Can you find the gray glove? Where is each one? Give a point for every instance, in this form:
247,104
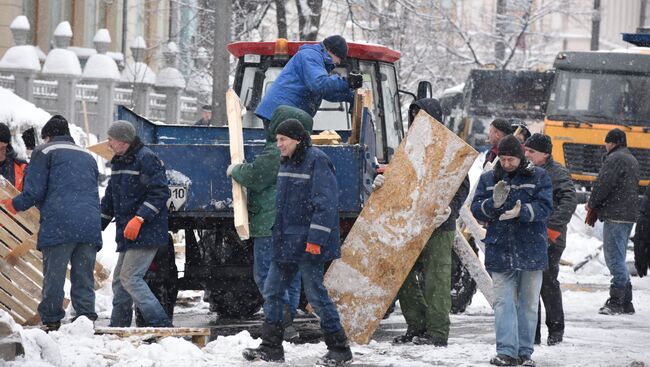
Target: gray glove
500,193
230,168
442,217
512,213
378,182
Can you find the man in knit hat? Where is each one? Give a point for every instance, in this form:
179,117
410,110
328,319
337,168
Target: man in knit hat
62,182
499,128
305,80
136,197
11,167
613,200
515,199
305,236
538,149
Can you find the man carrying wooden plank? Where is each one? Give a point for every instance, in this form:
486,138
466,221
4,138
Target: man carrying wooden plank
136,196
259,177
515,200
62,181
305,236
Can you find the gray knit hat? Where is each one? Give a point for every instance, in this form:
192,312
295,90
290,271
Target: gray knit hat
121,130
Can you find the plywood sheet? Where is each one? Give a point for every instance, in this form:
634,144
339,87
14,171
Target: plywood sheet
395,224
239,201
102,150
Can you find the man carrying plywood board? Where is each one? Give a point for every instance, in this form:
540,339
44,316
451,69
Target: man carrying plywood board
396,223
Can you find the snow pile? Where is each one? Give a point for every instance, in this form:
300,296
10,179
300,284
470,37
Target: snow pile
138,72
63,29
22,57
101,66
20,22
62,62
170,78
175,178
102,36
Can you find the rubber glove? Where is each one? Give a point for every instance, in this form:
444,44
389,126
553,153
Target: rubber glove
553,234
512,213
9,205
378,182
500,193
442,217
313,248
133,228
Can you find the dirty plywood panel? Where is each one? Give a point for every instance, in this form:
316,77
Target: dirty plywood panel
395,224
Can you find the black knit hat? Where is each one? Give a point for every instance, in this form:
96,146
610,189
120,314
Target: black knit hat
616,136
337,45
5,134
510,146
540,142
293,129
56,126
502,125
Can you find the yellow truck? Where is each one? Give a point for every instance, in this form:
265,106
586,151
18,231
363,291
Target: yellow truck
594,92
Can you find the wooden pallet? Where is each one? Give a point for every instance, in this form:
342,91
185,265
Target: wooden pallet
199,335
21,274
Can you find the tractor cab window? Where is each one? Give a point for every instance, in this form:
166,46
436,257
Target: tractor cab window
392,115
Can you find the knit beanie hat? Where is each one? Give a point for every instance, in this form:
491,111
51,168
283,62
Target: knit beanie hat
337,45
56,126
540,142
5,134
616,136
502,125
123,131
510,146
293,129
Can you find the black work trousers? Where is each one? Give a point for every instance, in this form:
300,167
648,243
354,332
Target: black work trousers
551,294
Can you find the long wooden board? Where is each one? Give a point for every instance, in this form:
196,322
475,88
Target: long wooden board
239,201
199,335
395,224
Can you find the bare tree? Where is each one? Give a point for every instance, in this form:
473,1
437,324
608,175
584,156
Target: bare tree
309,18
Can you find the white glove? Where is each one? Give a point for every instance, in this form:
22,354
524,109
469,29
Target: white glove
230,168
439,219
500,193
512,213
378,182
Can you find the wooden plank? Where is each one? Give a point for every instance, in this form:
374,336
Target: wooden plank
474,266
16,316
239,201
472,225
18,294
102,150
357,113
395,224
199,335
27,285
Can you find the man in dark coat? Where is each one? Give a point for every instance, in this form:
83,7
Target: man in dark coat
614,199
515,199
11,167
424,297
499,128
259,178
62,182
538,149
136,196
305,236
305,80
642,237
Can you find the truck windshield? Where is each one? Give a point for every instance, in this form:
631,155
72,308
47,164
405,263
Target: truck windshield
596,97
330,115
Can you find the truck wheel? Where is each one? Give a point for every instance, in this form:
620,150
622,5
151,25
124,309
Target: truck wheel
236,304
463,286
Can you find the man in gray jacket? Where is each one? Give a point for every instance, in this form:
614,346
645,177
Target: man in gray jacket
614,200
538,149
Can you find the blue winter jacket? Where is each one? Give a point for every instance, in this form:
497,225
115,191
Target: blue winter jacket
304,83
307,209
61,181
137,186
519,243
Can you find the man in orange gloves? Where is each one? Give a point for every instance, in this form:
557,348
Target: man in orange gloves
305,236
538,149
136,196
62,182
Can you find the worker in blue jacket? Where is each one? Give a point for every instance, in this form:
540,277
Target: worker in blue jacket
305,80
515,199
62,182
305,236
136,196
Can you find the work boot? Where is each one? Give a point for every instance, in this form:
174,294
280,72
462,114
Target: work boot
408,337
554,337
51,326
339,353
504,360
628,307
526,361
428,339
271,348
614,305
290,333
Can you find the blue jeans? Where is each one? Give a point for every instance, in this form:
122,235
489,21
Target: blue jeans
280,277
615,237
82,291
263,250
129,287
515,322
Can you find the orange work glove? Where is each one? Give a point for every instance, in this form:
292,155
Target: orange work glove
313,248
552,235
9,205
133,228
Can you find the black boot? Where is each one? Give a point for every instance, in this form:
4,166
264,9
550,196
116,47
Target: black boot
290,333
628,307
554,337
614,305
339,353
271,348
408,337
